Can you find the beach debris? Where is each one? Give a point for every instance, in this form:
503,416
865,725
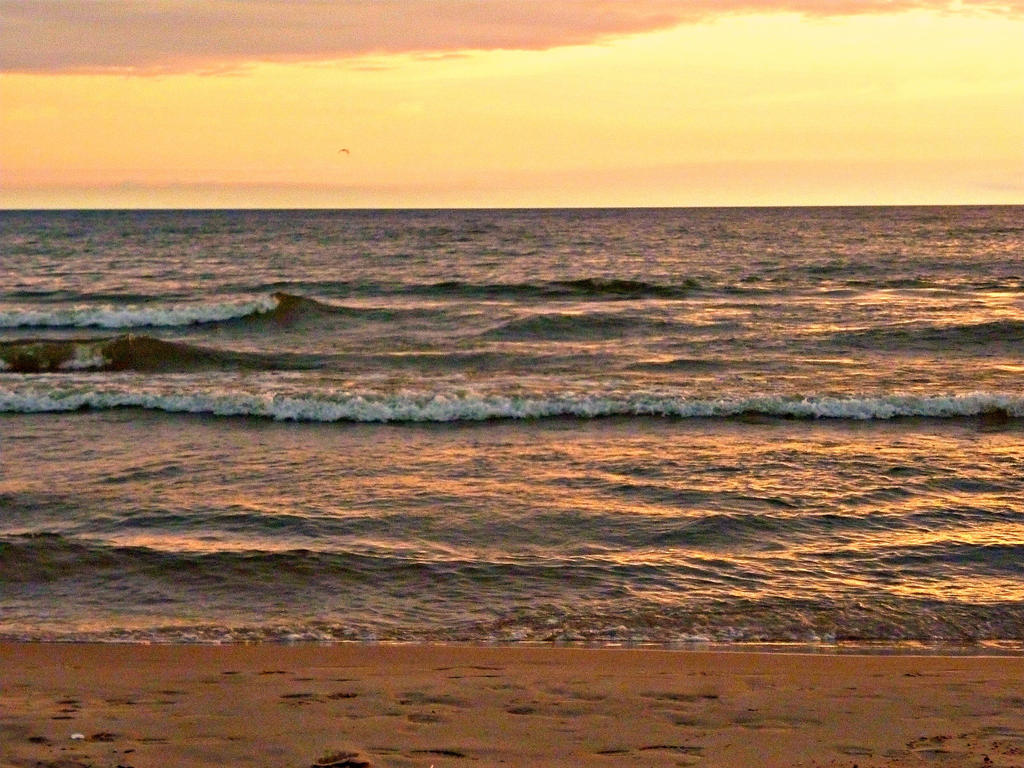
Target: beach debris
77,736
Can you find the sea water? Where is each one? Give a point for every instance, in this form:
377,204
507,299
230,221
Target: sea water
612,426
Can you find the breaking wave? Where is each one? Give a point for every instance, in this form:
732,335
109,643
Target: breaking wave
284,307
112,317
467,406
129,352
277,307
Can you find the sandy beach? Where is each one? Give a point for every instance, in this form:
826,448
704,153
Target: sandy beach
71,706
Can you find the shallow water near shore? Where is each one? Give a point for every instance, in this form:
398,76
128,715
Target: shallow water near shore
669,427
150,527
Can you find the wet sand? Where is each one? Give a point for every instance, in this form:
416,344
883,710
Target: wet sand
271,706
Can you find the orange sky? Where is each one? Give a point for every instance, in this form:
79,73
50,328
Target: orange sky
166,103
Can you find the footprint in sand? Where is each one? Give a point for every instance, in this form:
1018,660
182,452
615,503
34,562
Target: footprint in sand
421,698
299,699
523,709
439,752
427,718
854,750
685,749
342,760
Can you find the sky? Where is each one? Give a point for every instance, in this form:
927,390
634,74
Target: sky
509,103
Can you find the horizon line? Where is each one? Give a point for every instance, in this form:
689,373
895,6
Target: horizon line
257,208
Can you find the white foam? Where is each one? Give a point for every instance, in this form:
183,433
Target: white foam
426,407
86,357
135,316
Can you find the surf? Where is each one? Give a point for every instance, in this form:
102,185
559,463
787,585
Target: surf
131,352
467,406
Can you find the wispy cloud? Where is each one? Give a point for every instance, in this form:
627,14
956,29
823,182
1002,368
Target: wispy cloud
173,35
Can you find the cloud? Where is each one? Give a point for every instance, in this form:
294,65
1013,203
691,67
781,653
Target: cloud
175,35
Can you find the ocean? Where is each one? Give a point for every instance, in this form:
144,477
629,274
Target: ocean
629,426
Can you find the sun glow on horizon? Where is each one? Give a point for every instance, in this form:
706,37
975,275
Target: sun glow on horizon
915,107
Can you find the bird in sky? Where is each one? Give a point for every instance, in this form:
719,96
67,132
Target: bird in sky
343,149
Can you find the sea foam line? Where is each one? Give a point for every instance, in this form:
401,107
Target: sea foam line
445,407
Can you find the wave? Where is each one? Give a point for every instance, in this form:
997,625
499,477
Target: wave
678,364
130,352
42,556
586,288
287,308
90,590
137,316
467,406
63,295
1003,331
148,354
277,307
584,326
582,288
282,309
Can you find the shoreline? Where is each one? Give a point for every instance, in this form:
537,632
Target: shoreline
984,649
410,705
